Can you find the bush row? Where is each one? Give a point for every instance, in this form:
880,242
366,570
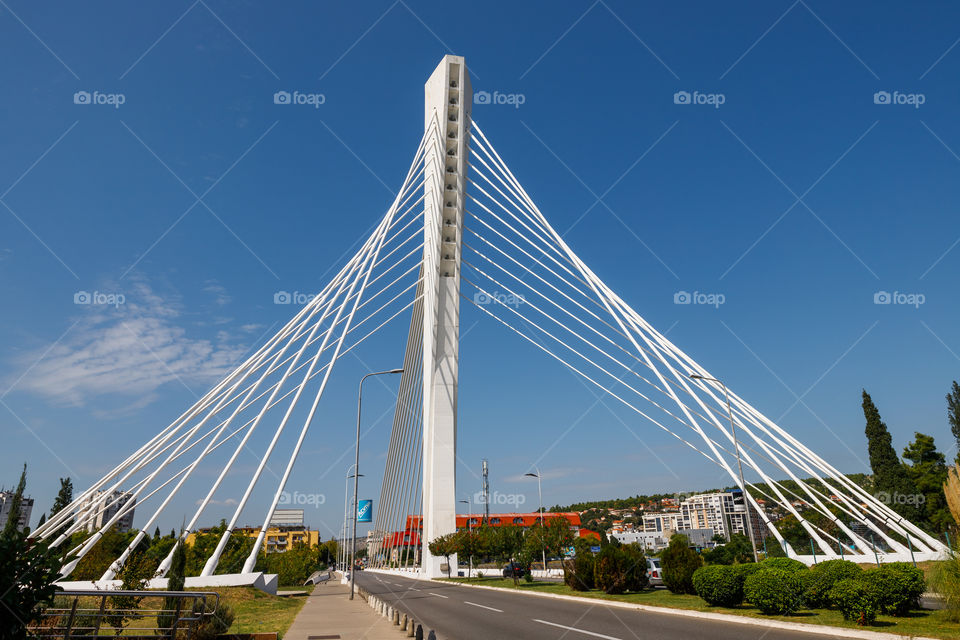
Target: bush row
781,586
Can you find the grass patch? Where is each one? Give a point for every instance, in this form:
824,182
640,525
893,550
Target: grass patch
256,611
933,624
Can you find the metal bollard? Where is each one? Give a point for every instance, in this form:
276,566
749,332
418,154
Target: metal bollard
411,627
396,617
403,622
419,633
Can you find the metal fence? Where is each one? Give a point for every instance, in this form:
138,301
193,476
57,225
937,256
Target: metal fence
135,614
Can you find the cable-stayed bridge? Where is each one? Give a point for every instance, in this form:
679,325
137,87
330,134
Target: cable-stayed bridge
462,230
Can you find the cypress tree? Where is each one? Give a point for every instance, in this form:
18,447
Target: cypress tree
43,518
928,470
64,496
13,516
953,414
891,483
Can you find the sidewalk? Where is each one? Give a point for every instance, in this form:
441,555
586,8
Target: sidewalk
328,613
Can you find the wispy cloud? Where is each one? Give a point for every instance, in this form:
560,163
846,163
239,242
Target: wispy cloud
129,350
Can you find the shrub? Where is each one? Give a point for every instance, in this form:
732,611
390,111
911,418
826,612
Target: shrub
774,591
899,586
822,577
720,585
785,564
746,569
620,568
856,600
578,572
214,623
678,562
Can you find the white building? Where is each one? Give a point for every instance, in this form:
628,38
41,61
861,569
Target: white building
26,507
108,507
723,512
661,522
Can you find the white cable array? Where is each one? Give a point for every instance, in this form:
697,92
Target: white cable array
566,311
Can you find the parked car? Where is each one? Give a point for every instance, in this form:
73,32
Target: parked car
513,570
653,572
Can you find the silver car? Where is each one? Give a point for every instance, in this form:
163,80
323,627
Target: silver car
653,572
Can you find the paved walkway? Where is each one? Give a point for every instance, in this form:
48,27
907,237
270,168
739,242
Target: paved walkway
329,614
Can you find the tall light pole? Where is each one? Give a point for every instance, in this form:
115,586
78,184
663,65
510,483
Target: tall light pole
470,533
736,444
342,551
543,532
356,479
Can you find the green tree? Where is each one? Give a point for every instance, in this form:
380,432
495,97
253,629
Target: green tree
928,470
42,520
134,576
953,414
678,562
444,546
891,482
64,497
176,578
13,516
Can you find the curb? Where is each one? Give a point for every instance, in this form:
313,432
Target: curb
802,627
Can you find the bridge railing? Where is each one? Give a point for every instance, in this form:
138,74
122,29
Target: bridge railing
142,614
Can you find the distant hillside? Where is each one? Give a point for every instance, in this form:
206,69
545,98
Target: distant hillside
860,479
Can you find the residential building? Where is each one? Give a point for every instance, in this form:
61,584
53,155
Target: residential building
26,508
656,540
724,512
106,505
661,522
277,538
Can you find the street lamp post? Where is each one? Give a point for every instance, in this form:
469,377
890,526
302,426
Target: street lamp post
736,444
356,479
470,533
543,550
342,551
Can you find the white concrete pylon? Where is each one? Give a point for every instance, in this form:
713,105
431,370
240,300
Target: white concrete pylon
448,97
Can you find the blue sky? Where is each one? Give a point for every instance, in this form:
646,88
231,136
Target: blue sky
798,198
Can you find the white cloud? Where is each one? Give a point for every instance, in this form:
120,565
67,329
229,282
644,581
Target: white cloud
218,292
131,349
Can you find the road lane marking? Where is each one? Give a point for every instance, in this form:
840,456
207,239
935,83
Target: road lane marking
563,626
483,606
437,594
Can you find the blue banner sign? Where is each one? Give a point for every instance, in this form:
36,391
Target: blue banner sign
365,511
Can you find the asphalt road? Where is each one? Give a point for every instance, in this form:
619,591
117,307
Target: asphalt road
464,613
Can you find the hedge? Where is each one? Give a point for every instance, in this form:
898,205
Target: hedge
856,600
720,585
898,585
774,591
821,578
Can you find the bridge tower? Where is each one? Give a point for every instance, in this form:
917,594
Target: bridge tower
448,97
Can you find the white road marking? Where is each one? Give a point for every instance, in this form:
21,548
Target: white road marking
563,626
436,594
483,606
